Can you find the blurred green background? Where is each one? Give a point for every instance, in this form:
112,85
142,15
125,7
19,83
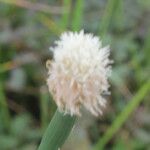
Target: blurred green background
29,28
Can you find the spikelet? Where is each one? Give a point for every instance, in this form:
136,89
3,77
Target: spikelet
78,75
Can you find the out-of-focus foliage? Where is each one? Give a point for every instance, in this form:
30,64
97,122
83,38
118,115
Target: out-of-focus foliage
28,28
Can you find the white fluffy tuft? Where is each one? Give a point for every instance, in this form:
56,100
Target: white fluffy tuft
78,76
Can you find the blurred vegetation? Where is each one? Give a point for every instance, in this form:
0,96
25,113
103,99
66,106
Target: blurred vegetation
29,27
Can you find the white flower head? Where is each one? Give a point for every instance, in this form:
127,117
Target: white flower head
78,75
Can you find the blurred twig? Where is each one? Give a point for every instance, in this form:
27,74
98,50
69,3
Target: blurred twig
50,24
16,107
23,59
35,6
7,66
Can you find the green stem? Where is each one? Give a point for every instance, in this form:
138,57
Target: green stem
146,48
118,122
66,14
57,131
44,99
77,15
107,17
4,111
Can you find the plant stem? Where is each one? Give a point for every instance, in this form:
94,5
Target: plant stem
118,122
146,47
57,131
4,111
50,24
77,15
66,14
107,17
44,99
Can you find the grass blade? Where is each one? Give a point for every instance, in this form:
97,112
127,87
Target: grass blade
108,15
116,125
77,15
4,111
44,99
66,14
